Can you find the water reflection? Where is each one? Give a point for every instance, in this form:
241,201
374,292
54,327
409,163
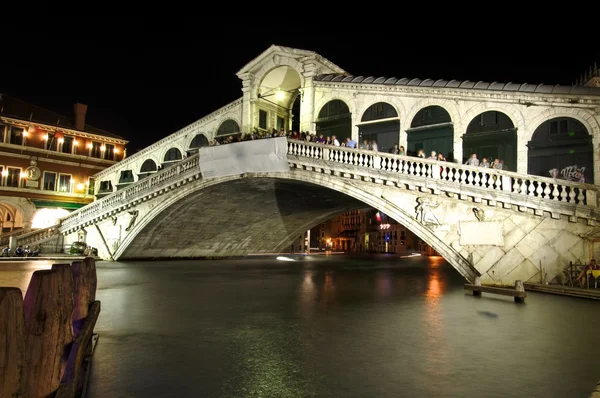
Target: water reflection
330,327
18,273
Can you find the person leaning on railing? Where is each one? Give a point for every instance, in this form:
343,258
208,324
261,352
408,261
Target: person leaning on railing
591,266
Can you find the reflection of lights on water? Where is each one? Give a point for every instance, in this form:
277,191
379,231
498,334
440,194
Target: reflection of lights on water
434,289
411,255
435,261
283,258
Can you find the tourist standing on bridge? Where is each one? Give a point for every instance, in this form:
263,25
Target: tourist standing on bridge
395,150
350,143
335,141
374,146
472,161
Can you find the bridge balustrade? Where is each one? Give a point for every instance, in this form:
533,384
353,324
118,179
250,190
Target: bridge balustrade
479,177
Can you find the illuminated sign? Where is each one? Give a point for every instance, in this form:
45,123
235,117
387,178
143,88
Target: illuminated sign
384,226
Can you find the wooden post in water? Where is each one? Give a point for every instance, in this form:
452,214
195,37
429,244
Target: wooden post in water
84,288
48,309
13,365
519,287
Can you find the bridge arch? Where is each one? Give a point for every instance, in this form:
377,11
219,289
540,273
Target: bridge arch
376,124
562,144
275,62
335,118
172,153
431,129
448,106
337,196
197,141
227,126
492,135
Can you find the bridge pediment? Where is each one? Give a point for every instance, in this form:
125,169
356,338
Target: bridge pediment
302,61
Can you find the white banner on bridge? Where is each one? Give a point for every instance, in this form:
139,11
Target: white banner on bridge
258,156
481,233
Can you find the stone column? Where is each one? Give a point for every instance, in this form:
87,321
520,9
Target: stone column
457,146
307,102
247,104
522,152
402,137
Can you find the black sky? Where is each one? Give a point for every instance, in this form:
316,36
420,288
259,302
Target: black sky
144,78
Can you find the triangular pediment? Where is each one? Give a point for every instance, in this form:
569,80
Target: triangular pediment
298,54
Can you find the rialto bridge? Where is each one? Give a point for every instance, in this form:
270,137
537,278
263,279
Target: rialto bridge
502,225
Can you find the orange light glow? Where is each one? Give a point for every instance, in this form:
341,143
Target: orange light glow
75,143
89,145
103,148
45,137
25,133
116,150
61,140
80,186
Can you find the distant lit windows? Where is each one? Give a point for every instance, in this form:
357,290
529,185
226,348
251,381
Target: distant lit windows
91,186
16,135
109,152
51,142
13,177
96,151
67,145
49,183
64,182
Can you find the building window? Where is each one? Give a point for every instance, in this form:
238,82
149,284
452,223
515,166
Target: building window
109,152
49,181
16,135
13,177
126,177
96,151
64,182
262,119
105,186
280,122
91,185
51,143
67,146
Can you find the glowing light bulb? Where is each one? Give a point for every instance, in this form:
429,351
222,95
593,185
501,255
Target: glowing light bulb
61,140
45,137
280,95
75,143
116,150
80,186
103,148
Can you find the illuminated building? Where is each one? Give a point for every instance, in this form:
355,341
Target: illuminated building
46,164
367,230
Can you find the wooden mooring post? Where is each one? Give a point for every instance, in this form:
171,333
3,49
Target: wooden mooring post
49,332
518,292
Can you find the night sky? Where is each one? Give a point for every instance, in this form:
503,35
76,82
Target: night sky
144,79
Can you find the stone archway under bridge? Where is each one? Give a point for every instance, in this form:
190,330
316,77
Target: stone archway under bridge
232,216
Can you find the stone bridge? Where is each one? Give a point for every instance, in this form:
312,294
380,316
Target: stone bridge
498,225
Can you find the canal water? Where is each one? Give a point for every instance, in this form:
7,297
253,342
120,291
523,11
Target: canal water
333,326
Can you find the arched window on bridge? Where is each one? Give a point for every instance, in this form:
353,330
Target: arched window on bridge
380,122
335,119
172,155
199,141
431,130
106,188
492,135
148,167
564,144
227,128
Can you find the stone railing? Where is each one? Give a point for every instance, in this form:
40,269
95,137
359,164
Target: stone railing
165,177
38,235
528,186
193,128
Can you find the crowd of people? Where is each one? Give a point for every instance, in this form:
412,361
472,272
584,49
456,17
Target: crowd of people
350,143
